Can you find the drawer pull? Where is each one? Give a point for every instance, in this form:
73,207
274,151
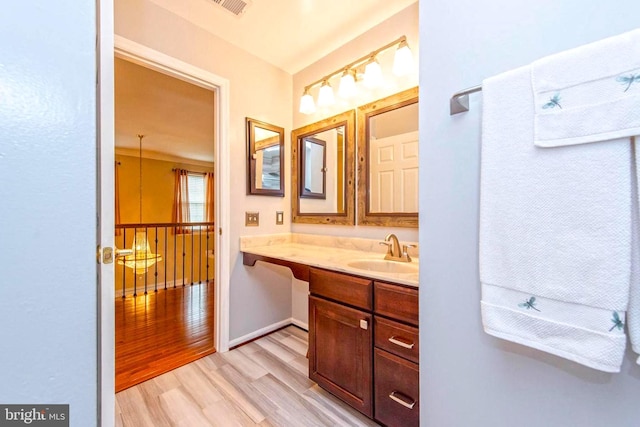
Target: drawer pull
397,397
401,342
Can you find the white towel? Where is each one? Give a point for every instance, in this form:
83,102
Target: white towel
555,233
598,88
590,93
633,319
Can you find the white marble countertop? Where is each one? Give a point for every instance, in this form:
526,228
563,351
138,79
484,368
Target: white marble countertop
328,252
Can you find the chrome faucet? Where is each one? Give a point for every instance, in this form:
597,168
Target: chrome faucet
393,249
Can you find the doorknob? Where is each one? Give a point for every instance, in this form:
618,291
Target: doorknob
107,254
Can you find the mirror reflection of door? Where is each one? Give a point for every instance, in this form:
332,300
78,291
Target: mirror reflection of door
267,157
315,167
393,161
333,176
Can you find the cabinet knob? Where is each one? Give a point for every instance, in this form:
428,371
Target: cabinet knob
398,397
364,324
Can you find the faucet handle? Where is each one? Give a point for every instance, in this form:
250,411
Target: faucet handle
389,246
405,251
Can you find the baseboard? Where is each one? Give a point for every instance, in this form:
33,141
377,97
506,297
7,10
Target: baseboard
260,332
300,324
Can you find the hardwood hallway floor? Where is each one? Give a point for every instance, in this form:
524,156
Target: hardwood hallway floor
161,331
262,383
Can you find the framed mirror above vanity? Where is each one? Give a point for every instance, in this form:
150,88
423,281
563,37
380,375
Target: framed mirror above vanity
388,161
323,175
265,160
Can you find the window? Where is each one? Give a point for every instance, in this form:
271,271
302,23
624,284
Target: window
197,197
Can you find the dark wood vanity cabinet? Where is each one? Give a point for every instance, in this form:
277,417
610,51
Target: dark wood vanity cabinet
341,337
395,367
363,345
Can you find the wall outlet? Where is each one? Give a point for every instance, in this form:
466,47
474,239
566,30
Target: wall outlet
279,217
252,219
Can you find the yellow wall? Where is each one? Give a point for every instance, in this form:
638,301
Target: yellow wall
157,202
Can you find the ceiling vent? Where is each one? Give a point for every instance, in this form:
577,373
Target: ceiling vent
237,7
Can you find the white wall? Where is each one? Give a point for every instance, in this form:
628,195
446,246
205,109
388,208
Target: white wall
258,296
467,377
48,212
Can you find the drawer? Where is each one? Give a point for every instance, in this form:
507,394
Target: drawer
346,289
398,302
396,395
397,338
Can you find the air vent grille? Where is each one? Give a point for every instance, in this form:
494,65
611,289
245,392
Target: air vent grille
237,7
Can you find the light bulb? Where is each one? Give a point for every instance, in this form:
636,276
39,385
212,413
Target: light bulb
347,87
325,96
372,74
403,61
307,105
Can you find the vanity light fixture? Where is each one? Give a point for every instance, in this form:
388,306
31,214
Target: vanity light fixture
325,96
307,104
403,61
347,88
373,76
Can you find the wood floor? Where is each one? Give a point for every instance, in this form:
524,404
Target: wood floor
161,331
262,383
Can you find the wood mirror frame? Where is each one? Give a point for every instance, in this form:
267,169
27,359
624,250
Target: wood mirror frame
365,113
346,119
253,146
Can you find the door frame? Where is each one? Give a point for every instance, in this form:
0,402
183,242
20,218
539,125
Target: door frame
157,61
150,58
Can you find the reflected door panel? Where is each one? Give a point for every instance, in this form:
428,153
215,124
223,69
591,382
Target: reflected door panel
394,173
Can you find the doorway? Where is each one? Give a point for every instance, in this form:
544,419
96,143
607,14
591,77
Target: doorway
158,61
164,212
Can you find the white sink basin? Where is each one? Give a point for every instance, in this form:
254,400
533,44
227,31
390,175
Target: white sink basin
384,266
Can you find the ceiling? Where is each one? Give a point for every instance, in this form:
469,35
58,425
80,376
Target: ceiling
177,118
290,34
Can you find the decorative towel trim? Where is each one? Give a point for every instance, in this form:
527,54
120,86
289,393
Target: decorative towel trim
588,94
590,123
590,348
604,320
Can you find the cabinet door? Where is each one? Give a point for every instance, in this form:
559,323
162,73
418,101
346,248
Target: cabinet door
340,352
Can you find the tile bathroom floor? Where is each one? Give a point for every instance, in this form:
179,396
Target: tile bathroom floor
262,383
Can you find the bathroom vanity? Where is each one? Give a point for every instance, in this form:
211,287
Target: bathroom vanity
363,321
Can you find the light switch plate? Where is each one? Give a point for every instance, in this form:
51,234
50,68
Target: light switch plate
279,217
252,219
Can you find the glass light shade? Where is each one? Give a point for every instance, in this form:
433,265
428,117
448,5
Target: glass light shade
347,87
325,96
403,61
307,105
142,258
372,74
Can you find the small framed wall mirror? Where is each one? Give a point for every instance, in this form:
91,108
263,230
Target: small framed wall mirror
265,160
388,161
323,175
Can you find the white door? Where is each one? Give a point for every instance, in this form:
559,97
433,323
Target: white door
393,166
105,220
